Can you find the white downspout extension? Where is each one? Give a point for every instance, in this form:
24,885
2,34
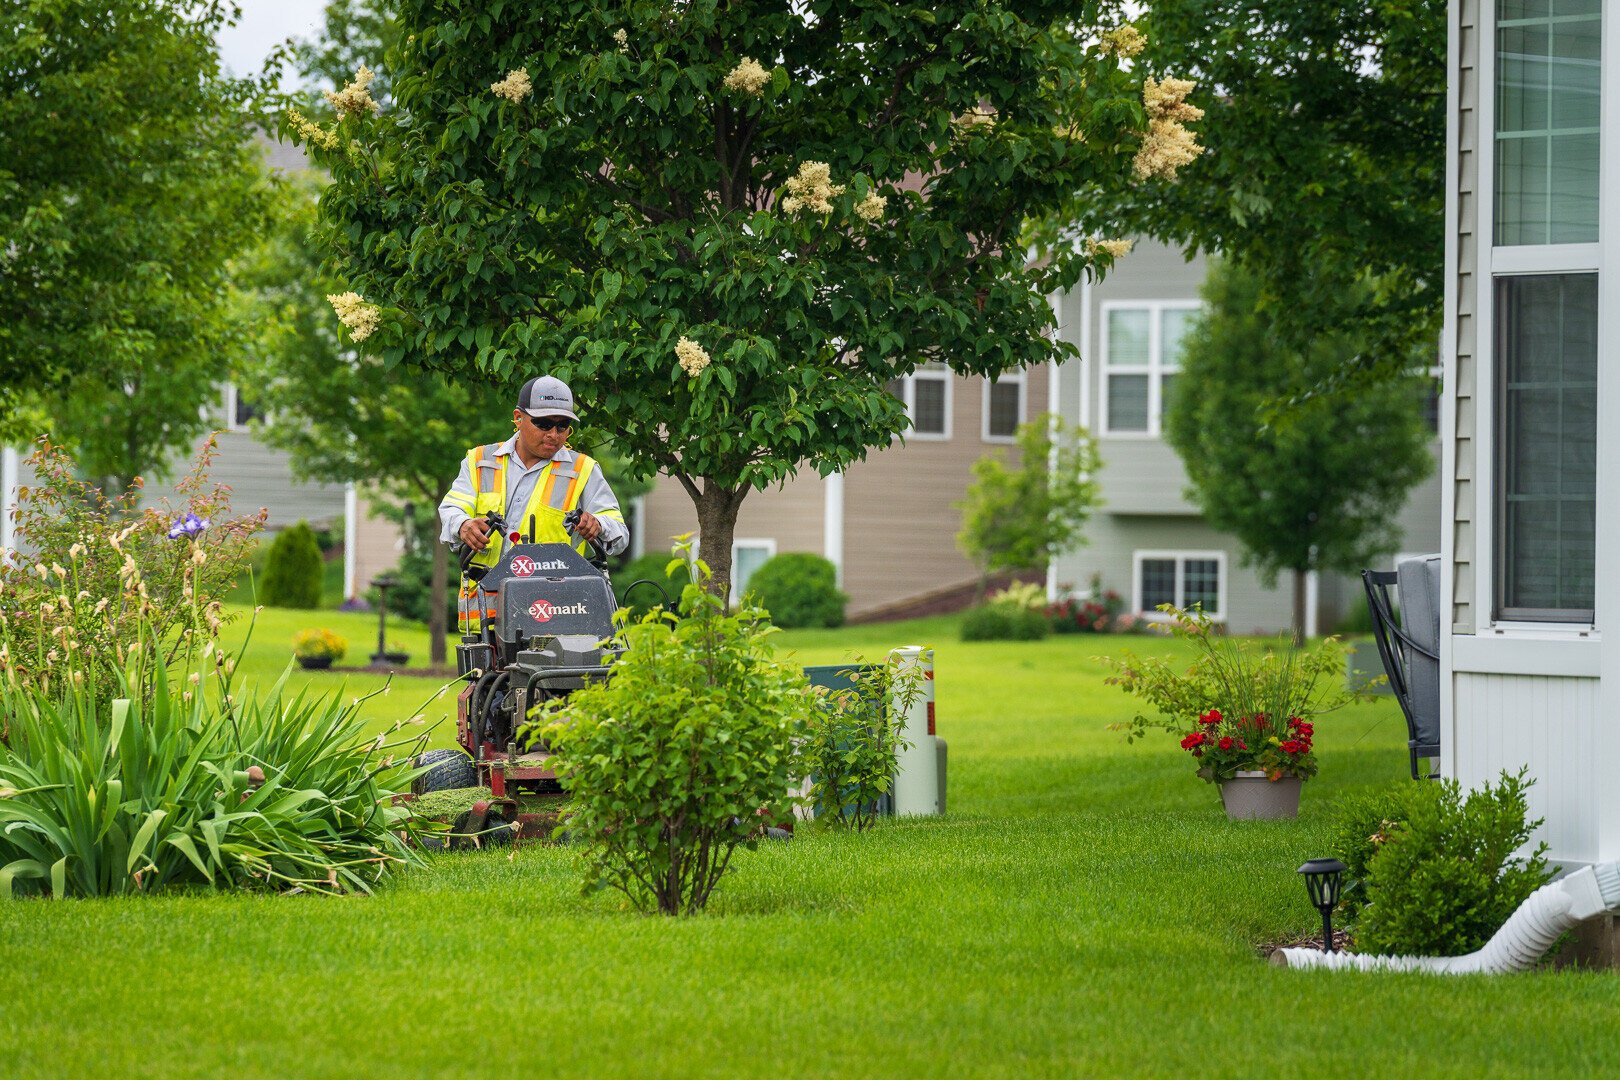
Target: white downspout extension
8,497
351,528
832,522
1524,939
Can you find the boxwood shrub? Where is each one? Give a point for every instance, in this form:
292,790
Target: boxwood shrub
799,590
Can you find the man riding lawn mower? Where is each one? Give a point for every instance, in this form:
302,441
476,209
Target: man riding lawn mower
534,611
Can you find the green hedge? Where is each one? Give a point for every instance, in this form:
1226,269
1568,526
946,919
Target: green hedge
799,590
293,570
649,567
1004,622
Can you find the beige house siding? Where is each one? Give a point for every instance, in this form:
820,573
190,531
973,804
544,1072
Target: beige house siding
1463,616
900,521
378,545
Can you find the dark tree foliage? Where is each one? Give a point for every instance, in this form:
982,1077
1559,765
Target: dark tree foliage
1317,489
1325,170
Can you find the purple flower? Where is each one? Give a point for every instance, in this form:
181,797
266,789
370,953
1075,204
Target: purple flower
190,526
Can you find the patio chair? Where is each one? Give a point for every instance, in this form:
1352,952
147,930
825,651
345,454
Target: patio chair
1410,649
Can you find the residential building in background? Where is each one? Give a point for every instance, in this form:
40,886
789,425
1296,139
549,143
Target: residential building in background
1147,541
1532,539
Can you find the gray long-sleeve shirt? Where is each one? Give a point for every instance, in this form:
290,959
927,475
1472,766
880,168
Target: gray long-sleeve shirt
520,481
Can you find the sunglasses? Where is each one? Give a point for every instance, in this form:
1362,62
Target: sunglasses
551,423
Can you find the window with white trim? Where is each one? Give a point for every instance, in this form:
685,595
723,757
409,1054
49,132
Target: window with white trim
747,556
1003,407
239,409
1542,292
927,394
1141,347
1183,578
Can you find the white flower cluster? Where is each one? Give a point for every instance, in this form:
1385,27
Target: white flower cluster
812,189
621,37
980,116
870,209
311,132
352,311
691,356
1124,42
748,77
1168,145
1115,248
354,99
515,87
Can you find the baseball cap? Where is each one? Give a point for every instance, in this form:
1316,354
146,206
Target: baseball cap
546,396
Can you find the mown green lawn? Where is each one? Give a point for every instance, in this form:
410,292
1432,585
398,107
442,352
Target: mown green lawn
1084,910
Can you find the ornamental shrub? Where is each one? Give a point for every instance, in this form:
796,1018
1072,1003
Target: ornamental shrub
292,571
106,576
799,590
852,738
649,567
1444,878
319,644
1004,622
684,755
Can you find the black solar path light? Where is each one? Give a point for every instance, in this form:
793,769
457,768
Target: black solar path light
1323,877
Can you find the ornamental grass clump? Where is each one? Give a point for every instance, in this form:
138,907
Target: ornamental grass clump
1240,706
685,754
186,785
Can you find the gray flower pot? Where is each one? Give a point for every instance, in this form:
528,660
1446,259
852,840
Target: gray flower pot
1249,796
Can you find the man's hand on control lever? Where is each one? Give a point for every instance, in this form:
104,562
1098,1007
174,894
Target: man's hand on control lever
587,527
475,533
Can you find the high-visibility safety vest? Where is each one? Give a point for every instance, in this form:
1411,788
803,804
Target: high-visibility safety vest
557,490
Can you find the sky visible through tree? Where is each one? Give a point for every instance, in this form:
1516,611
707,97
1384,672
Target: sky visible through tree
264,25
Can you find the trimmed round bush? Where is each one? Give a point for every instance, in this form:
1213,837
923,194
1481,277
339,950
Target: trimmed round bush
649,567
1004,622
292,571
799,590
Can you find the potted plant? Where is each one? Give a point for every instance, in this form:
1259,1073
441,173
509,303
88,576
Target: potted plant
318,648
1246,711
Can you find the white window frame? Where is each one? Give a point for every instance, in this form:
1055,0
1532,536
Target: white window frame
1011,378
1155,369
1180,557
1495,262
739,542
229,395
908,395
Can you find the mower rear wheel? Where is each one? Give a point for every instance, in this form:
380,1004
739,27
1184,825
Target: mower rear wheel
497,831
448,769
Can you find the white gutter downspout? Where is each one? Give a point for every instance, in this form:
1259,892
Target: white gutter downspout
1523,940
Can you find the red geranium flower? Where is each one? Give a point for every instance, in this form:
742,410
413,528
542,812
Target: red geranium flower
1211,718
1226,743
1194,740
1293,746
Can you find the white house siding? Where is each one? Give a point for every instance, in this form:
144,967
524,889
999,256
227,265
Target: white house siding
1545,695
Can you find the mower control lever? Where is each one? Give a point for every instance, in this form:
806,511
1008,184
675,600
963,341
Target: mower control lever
599,555
497,535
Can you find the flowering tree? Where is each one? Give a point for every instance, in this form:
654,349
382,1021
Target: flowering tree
730,226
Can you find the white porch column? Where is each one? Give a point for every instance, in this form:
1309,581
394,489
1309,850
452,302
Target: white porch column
8,496
1312,590
351,530
832,521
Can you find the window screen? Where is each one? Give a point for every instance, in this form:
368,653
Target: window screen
1546,483
1006,408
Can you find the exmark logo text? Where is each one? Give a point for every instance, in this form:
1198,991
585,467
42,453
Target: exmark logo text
523,566
543,610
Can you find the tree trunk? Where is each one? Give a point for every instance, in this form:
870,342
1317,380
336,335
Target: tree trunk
717,524
1300,577
437,602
